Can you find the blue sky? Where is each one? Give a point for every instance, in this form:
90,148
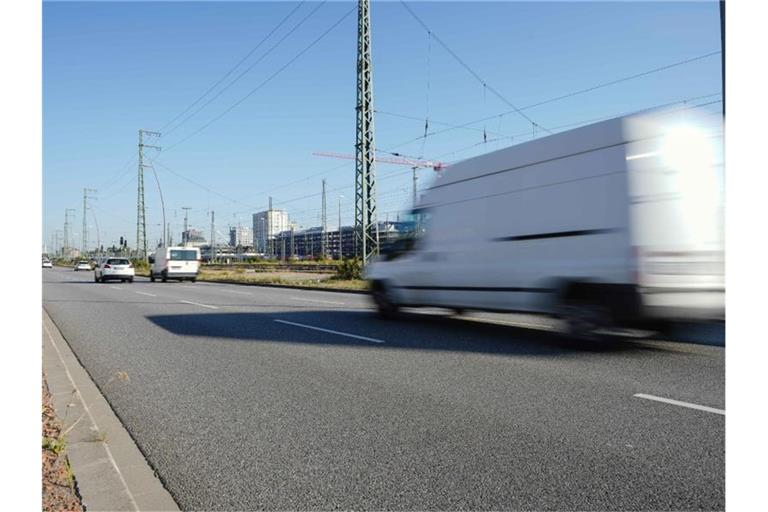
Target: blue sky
112,68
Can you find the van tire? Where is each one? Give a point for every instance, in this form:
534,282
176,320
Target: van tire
151,276
385,306
164,276
584,309
583,319
130,280
194,279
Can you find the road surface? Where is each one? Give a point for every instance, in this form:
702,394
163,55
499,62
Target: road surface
268,398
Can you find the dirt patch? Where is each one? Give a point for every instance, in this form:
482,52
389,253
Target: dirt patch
59,485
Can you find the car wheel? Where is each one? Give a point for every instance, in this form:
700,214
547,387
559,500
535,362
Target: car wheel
386,307
96,278
151,277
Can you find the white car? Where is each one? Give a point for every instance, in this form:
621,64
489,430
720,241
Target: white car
117,269
82,265
47,264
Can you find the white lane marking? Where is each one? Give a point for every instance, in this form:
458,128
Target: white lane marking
115,288
374,340
93,421
514,324
235,291
198,304
681,404
318,300
147,294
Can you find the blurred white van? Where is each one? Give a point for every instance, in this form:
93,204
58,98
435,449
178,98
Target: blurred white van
182,263
619,222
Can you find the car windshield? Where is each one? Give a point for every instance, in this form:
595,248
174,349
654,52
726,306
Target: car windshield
117,261
183,255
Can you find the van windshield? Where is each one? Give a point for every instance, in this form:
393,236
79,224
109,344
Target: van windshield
118,261
183,255
411,228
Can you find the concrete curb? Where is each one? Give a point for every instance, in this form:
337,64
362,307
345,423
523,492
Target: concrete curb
112,473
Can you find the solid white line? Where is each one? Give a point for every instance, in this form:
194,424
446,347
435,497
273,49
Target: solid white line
374,340
115,288
198,304
235,291
148,294
93,421
318,300
514,324
681,404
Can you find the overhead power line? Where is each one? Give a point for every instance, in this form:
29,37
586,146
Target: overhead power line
466,66
264,82
246,57
249,68
564,96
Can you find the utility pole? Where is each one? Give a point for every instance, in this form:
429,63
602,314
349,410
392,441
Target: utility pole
270,218
324,233
293,247
213,237
341,237
141,213
415,183
366,232
66,229
84,238
185,233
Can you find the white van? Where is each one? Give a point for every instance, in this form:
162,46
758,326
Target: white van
619,222
182,263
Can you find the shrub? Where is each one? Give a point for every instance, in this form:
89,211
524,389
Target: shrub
350,269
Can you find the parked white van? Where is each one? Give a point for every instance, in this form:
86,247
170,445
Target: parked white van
182,263
619,222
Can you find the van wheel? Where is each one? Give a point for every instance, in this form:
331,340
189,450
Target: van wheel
151,277
164,276
386,307
130,280
583,319
194,279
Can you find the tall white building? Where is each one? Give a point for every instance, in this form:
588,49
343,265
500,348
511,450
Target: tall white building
240,236
266,225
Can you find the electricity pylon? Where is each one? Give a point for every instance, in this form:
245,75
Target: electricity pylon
366,227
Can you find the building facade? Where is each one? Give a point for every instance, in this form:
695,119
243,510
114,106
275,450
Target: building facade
266,226
240,236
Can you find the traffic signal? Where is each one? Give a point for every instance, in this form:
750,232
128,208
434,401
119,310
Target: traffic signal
121,241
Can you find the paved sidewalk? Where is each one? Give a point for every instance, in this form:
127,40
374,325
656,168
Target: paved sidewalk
112,474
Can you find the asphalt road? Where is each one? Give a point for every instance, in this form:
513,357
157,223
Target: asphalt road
249,398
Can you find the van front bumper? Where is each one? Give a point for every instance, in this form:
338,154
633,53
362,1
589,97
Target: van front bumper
683,303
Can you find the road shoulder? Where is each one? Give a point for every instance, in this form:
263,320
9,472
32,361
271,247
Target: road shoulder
111,471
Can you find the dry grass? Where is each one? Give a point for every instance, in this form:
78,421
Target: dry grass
314,280
59,486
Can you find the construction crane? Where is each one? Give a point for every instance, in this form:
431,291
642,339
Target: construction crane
398,160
